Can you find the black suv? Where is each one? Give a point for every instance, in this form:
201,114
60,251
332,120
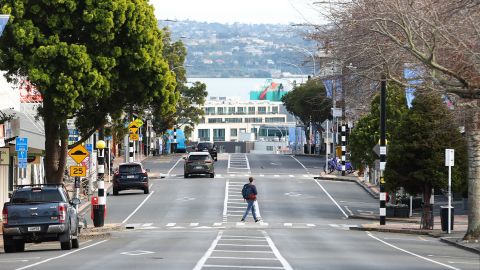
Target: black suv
207,147
130,176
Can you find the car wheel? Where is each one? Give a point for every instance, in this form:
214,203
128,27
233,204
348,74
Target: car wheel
9,245
212,175
65,240
185,175
75,243
115,192
146,191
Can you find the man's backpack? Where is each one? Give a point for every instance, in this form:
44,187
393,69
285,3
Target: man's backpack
247,192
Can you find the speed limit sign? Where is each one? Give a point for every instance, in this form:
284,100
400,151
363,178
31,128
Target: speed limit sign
78,171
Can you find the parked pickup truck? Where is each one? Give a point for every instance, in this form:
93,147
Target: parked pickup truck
39,213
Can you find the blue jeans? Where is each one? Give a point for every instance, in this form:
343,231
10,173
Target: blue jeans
251,205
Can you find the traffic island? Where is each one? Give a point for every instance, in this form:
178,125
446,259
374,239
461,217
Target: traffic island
100,232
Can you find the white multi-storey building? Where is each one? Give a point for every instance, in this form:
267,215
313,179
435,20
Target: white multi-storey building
226,120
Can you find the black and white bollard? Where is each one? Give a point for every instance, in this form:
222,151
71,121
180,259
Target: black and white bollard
344,147
99,210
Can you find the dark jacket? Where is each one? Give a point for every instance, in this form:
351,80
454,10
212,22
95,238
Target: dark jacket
253,188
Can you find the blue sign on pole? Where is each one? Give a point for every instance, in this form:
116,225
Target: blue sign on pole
3,22
22,155
22,164
21,144
89,147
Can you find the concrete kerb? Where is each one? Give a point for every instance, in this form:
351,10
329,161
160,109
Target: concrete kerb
354,179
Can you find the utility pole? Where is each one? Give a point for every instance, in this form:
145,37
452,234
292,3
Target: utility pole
383,148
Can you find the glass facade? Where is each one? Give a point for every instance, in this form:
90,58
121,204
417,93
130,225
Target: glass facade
262,110
231,110
274,119
218,134
233,120
204,134
233,132
253,120
215,120
251,110
209,110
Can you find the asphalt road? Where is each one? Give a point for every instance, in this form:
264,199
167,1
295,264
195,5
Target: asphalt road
194,224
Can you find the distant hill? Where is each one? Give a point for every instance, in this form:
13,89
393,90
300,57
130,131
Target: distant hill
242,50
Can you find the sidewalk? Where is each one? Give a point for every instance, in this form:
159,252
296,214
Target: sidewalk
407,225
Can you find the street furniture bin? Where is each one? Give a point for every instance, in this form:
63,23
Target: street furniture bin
444,218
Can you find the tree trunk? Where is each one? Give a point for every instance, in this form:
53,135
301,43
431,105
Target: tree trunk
55,154
427,213
473,136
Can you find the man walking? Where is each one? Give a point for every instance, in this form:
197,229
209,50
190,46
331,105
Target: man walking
249,193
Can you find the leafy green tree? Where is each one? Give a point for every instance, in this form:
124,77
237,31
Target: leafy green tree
88,59
416,158
366,133
309,103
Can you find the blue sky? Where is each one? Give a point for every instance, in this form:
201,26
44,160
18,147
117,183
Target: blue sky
243,11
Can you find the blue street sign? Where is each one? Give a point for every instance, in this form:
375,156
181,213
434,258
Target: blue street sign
22,164
21,144
108,138
22,155
89,147
3,22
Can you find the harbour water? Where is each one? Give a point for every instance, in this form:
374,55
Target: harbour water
241,87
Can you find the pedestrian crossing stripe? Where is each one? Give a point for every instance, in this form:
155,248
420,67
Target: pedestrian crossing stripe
216,225
223,176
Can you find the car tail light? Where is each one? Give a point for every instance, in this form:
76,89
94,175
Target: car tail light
5,216
208,161
62,213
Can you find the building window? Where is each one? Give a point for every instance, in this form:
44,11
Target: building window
231,110
254,130
243,130
253,120
218,134
274,119
204,134
215,120
251,110
269,148
233,120
240,110
221,110
209,110
275,110
233,132
262,110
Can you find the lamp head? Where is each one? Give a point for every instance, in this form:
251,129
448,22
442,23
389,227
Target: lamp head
101,144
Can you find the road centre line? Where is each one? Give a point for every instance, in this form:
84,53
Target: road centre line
411,253
138,207
301,164
225,201
331,198
174,166
207,254
61,256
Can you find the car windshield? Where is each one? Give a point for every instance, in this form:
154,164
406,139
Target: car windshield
130,169
205,145
198,158
37,195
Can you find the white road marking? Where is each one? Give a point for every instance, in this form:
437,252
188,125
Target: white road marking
276,175
279,256
311,225
349,211
411,253
174,166
262,175
225,201
171,224
287,224
242,258
301,164
242,245
138,207
245,251
241,267
193,224
137,252
474,263
292,175
207,254
61,256
243,236
217,224
331,198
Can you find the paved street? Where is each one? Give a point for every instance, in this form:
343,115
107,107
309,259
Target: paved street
195,224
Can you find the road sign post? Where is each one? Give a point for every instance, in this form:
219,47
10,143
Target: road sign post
21,147
78,154
449,162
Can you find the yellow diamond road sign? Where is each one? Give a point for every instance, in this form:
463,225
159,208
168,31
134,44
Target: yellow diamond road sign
78,153
133,127
139,122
